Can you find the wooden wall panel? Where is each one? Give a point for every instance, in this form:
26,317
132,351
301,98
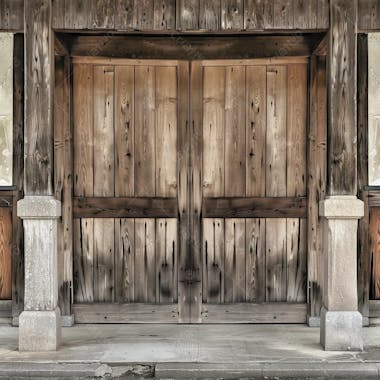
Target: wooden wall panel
12,15
76,13
164,15
209,14
5,253
213,130
232,14
368,15
124,14
374,233
258,14
187,14
143,14
283,14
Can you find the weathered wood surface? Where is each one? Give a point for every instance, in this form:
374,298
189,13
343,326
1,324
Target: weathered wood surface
39,85
18,175
255,207
316,180
363,232
342,133
255,313
5,253
125,313
12,15
368,15
374,249
192,15
63,179
192,47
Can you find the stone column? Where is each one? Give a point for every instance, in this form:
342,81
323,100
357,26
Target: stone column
341,323
39,323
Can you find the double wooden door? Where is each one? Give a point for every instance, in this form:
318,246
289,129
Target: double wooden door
189,190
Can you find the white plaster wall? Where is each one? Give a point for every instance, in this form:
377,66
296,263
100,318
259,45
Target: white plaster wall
374,109
6,108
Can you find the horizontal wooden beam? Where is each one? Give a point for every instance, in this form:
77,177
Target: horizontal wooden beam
125,313
255,313
374,198
192,47
255,207
125,207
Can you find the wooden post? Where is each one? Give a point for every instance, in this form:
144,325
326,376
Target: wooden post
341,322
40,321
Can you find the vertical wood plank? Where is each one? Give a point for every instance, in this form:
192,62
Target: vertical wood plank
213,130
255,260
363,233
145,261
276,131
58,14
296,130
283,14
276,260
234,261
11,15
104,247
196,149
18,174
296,260
184,295
102,14
187,14
235,164
77,14
124,14
143,14
39,85
124,131
83,260
5,253
258,14
124,260
232,14
213,261
323,21
301,13
316,180
342,135
166,131
164,15
166,260
256,85
374,238
83,130
145,131
209,14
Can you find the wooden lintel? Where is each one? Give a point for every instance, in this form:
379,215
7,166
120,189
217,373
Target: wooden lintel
255,207
124,207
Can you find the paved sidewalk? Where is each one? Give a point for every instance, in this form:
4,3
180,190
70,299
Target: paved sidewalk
190,351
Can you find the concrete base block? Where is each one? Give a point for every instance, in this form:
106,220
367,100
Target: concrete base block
341,330
67,320
313,321
39,330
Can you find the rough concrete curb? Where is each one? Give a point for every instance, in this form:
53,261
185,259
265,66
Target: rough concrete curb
321,370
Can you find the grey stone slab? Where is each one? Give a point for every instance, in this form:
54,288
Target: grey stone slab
39,207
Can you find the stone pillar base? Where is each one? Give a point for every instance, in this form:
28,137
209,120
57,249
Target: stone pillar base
341,330
39,330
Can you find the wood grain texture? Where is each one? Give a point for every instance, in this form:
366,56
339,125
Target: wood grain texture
5,253
124,131
232,15
12,15
164,15
124,260
374,242
166,131
256,86
187,14
235,133
143,11
258,14
76,14
283,14
213,130
368,15
124,14
209,14
342,135
102,14
145,113
316,180
39,85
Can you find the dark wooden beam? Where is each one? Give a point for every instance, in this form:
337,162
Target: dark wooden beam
38,98
342,173
252,207
192,47
125,207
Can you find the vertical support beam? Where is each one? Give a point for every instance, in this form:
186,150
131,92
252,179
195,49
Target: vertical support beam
341,323
40,321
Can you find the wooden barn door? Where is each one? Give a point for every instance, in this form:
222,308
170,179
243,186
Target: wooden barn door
249,149
127,188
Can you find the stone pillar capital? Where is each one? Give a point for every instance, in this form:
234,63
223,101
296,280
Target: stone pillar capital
341,207
38,207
